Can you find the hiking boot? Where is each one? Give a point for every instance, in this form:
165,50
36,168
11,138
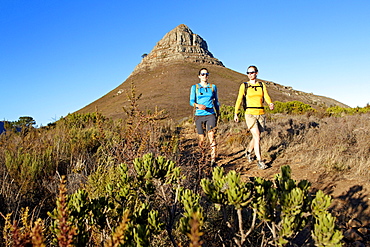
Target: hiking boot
213,163
261,165
248,155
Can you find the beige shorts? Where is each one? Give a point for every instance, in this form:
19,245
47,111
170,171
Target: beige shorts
256,120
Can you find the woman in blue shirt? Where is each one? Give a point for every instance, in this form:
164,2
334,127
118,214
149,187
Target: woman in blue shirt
203,97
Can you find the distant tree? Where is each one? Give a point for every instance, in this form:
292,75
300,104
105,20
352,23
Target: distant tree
144,55
25,122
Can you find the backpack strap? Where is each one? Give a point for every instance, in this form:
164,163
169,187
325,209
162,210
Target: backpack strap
246,85
212,86
244,100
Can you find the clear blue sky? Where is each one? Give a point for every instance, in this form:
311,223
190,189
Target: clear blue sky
58,56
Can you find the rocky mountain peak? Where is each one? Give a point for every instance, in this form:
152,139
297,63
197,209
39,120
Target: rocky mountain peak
180,44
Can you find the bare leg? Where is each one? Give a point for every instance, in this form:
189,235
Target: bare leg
250,146
212,141
256,142
211,136
200,140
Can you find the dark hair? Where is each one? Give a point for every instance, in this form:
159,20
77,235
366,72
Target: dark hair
254,67
202,69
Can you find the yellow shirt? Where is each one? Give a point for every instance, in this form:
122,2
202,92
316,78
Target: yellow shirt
255,97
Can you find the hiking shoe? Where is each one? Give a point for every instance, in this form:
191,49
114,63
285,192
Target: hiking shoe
261,165
248,155
213,163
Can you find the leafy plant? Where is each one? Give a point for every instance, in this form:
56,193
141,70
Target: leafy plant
283,205
24,232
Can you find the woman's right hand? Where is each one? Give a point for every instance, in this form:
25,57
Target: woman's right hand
201,107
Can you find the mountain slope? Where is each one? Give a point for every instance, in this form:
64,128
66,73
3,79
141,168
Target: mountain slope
165,75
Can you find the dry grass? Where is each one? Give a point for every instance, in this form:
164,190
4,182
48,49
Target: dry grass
339,144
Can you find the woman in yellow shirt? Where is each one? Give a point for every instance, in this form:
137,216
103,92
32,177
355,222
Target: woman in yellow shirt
256,94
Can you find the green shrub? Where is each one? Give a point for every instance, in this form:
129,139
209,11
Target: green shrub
292,107
81,120
191,205
227,113
125,211
281,204
28,167
340,111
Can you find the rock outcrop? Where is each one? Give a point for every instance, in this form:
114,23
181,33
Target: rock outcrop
180,44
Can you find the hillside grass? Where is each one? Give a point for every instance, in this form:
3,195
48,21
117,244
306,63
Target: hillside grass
168,87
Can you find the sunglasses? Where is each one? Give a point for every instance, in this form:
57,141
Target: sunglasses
204,74
251,72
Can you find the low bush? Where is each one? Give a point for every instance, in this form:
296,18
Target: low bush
128,212
340,111
292,107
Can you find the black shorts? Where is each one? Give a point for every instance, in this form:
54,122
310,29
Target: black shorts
209,121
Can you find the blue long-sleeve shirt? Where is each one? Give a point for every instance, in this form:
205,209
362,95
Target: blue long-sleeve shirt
205,96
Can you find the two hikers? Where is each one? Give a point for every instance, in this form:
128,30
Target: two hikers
204,99
254,93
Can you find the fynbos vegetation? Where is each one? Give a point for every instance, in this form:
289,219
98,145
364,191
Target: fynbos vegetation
90,181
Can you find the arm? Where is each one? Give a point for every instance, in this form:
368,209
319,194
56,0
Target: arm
267,97
239,101
193,99
192,96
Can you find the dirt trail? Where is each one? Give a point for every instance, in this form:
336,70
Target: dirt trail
351,195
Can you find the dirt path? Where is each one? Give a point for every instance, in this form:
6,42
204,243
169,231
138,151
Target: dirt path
351,195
